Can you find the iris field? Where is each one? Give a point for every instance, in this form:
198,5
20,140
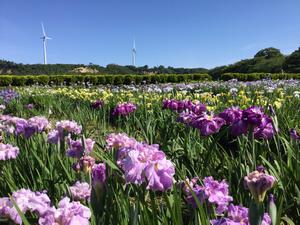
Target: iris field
201,153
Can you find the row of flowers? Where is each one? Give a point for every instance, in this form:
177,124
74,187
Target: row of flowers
141,163
135,157
67,212
195,114
239,121
192,114
269,85
235,93
25,200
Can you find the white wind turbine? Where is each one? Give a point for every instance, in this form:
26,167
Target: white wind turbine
45,38
133,53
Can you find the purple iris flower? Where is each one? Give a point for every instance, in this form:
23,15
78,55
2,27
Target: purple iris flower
231,115
265,130
124,109
29,130
238,128
294,134
208,124
184,105
20,126
166,103
215,192
198,108
29,106
143,163
238,215
253,115
98,104
8,95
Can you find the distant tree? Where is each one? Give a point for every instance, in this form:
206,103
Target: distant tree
117,69
217,71
242,66
268,60
292,63
142,69
268,53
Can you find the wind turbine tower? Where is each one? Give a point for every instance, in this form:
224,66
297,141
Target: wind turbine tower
133,53
45,38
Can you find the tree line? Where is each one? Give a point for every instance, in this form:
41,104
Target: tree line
269,60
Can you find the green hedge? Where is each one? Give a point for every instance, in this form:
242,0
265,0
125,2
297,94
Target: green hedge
18,80
5,80
259,76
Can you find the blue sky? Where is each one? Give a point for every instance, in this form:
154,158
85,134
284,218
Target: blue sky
179,33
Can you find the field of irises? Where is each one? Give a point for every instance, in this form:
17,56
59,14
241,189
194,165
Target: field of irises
201,153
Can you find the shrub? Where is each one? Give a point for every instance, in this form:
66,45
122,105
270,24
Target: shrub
18,80
5,80
172,78
57,79
186,77
128,79
119,79
243,77
152,79
79,79
93,79
296,76
180,78
201,76
30,80
43,79
189,77
145,78
138,79
110,79
265,76
162,78
259,76
69,79
226,76
239,76
101,79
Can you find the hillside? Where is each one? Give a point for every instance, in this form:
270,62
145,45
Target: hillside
269,60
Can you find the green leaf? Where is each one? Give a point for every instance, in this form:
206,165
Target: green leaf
24,220
288,220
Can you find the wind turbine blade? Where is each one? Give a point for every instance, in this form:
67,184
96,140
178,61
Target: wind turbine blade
44,33
48,38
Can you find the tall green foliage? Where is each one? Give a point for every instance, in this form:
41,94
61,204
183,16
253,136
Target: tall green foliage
292,63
